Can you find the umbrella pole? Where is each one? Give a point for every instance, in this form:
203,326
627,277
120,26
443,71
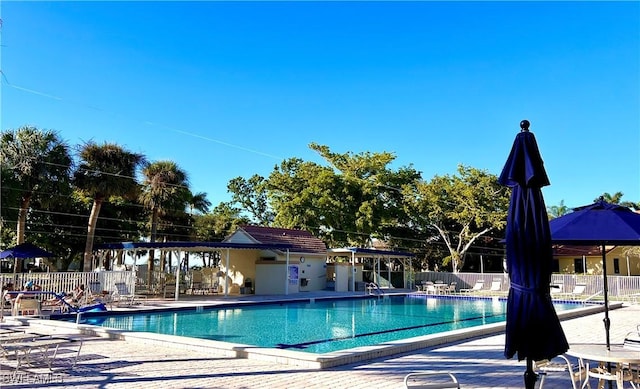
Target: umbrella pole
607,322
530,376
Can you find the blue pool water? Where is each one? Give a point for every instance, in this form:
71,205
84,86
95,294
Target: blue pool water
320,326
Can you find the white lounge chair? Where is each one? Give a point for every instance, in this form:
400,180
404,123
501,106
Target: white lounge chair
431,380
556,289
495,289
476,288
576,293
122,295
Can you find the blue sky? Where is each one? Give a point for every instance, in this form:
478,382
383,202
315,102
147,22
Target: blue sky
232,89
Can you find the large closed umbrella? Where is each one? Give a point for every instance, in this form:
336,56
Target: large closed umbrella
602,224
533,329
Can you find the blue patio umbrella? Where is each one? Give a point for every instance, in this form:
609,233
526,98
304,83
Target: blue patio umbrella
25,250
533,329
602,224
22,251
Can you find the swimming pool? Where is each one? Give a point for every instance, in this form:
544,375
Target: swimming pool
320,326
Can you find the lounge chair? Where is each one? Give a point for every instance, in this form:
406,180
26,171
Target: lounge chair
556,290
576,293
43,348
476,288
122,295
432,380
495,289
561,364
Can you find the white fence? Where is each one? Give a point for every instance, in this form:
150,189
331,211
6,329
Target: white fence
67,281
619,287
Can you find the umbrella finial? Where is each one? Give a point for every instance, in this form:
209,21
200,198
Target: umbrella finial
524,125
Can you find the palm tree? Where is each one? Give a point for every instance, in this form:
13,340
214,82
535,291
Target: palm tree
37,162
555,211
105,171
198,202
164,188
616,198
611,198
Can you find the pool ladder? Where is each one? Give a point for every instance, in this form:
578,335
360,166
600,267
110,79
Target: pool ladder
373,288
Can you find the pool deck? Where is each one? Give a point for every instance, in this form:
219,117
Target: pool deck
107,362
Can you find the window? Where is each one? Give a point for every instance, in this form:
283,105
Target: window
616,265
555,266
578,265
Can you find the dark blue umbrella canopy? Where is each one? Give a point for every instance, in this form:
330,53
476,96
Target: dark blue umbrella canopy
602,224
533,330
25,250
597,223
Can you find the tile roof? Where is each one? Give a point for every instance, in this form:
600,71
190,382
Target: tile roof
300,240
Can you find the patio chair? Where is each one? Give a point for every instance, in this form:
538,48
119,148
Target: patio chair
476,288
561,364
196,286
27,307
632,340
431,380
452,288
429,287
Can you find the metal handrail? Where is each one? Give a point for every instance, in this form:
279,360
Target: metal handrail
373,286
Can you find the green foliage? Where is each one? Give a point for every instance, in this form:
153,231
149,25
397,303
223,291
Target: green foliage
217,225
555,211
251,196
461,208
353,200
104,171
35,166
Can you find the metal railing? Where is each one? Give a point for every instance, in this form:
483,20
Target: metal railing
625,288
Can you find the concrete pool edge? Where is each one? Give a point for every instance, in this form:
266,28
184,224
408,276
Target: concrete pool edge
296,358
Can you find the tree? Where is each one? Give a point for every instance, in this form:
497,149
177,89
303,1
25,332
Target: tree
164,189
105,171
460,208
251,195
558,210
198,202
616,198
35,163
353,200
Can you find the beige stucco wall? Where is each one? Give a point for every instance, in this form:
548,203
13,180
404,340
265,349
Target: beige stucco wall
271,276
594,263
241,266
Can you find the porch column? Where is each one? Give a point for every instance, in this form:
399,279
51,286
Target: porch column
226,277
286,275
353,271
176,295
